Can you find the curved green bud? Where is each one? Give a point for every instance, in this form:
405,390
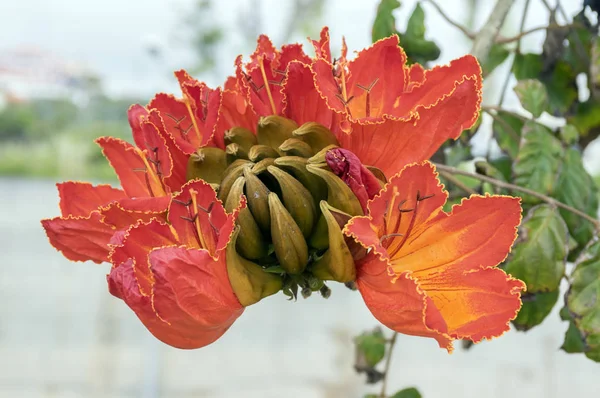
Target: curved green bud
296,147
260,152
257,195
337,264
261,166
339,195
273,130
249,281
290,246
316,136
250,242
231,174
241,136
234,152
208,164
297,166
319,158
297,200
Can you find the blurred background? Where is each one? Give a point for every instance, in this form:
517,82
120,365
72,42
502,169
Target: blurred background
68,72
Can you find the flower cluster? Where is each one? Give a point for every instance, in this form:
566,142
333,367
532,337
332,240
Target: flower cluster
296,172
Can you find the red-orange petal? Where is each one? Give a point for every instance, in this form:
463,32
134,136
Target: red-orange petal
416,76
303,103
80,238
139,240
192,303
322,46
135,114
399,304
441,82
125,159
127,212
176,176
376,78
199,218
235,112
79,199
388,218
392,144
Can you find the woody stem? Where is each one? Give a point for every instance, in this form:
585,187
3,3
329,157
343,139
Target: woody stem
506,185
388,361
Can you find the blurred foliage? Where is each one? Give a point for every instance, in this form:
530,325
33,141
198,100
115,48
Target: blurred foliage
55,138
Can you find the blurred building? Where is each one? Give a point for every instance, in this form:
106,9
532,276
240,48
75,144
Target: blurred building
29,73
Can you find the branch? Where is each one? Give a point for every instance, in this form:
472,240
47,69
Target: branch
460,27
457,182
487,35
553,26
518,51
513,187
387,365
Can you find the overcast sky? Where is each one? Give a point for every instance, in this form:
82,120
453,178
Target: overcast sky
111,36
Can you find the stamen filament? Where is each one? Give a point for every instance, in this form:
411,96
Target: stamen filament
202,242
193,117
264,76
150,172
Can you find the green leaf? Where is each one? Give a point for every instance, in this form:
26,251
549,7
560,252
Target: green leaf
371,345
569,134
385,23
533,96
573,342
416,23
417,47
407,393
538,161
587,117
576,188
507,131
562,88
539,256
504,165
535,309
583,301
527,66
497,56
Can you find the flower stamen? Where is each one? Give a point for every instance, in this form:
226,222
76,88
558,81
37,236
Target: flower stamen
264,76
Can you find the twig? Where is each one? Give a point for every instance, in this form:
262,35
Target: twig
527,191
487,35
517,52
457,182
387,365
460,27
553,26
492,111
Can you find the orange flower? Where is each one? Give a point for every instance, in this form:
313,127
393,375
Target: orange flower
91,215
434,274
308,144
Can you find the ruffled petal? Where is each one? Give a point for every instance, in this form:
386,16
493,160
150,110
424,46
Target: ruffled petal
127,212
441,82
135,115
80,238
392,144
292,53
235,112
478,233
303,103
475,305
136,245
399,304
137,177
376,78
261,84
416,76
79,199
200,219
322,46
176,176
192,304
391,214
